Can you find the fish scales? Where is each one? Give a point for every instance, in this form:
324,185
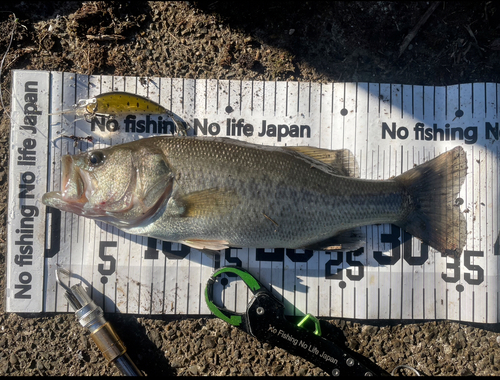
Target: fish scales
214,193
284,200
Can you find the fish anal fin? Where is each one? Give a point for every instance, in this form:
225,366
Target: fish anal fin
206,245
342,160
348,240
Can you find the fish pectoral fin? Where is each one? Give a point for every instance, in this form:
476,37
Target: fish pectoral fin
342,161
209,203
205,245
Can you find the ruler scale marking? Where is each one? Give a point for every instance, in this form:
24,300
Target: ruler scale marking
388,127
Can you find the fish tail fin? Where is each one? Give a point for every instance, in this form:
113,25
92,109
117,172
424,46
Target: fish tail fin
435,215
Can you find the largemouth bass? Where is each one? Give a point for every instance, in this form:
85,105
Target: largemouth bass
215,193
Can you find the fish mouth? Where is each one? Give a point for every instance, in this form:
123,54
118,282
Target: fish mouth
76,187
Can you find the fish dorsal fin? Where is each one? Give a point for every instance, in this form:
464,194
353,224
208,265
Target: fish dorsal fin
342,160
209,202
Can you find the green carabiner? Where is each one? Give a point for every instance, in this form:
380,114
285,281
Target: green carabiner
224,314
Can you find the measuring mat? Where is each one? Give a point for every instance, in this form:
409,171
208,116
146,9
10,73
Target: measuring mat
390,128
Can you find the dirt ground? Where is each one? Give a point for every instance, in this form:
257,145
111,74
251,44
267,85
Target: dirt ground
293,40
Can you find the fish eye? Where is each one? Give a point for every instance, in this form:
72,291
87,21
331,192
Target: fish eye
96,158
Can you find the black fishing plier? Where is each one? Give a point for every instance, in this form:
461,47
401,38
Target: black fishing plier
265,320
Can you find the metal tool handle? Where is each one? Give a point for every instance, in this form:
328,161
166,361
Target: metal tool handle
91,317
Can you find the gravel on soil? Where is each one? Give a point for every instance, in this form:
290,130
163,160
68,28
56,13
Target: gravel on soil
294,40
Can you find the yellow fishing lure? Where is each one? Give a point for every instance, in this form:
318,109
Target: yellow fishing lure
118,103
